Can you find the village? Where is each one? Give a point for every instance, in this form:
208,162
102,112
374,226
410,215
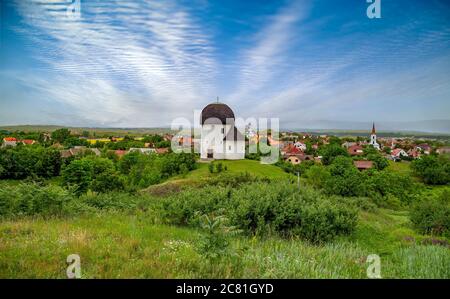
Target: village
294,147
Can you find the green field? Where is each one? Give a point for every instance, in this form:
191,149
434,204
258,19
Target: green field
137,244
240,166
132,246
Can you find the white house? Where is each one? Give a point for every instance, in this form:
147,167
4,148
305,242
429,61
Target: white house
373,138
220,139
398,153
301,146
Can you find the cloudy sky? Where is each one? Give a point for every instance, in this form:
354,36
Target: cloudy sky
144,63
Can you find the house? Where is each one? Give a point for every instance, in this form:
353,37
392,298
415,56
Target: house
9,141
78,150
363,165
425,148
398,153
143,150
290,150
443,150
220,139
28,141
120,153
298,158
301,146
162,150
348,144
355,150
414,153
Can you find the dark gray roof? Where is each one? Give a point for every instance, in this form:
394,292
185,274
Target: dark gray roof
216,113
234,135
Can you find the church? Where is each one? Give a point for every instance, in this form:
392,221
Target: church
373,138
220,139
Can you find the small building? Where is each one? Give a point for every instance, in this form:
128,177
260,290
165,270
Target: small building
78,150
28,141
301,146
9,141
443,150
220,139
363,165
162,150
355,150
298,158
398,153
120,153
414,153
348,144
425,148
143,150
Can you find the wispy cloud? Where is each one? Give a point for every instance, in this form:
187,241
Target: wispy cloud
121,58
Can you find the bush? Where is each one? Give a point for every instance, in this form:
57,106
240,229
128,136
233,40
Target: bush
260,208
433,170
33,199
432,216
29,161
91,172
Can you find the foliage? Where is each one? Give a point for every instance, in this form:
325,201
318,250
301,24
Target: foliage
91,172
60,135
29,161
264,208
33,199
379,161
330,151
145,170
432,216
433,170
215,243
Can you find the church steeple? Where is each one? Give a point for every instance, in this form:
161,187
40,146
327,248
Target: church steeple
373,129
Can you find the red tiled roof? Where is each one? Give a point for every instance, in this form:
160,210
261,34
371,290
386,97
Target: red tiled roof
162,150
28,141
120,153
290,149
9,139
363,164
355,150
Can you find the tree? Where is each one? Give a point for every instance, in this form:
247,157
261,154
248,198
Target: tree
433,170
378,160
331,151
60,135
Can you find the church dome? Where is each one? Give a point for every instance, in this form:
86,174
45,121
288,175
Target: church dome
216,113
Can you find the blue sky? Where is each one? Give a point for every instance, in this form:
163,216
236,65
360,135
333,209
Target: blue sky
144,63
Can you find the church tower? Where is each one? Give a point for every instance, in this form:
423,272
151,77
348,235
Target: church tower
373,138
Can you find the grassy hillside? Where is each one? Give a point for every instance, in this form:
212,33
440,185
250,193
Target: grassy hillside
132,246
253,167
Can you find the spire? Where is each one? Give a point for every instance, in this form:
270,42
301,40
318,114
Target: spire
217,99
373,129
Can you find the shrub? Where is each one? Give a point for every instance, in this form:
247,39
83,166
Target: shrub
331,151
211,167
432,216
219,167
260,208
33,199
24,161
433,170
91,172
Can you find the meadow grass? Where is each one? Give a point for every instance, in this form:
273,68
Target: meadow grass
120,245
240,166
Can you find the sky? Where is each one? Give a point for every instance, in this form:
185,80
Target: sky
134,63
